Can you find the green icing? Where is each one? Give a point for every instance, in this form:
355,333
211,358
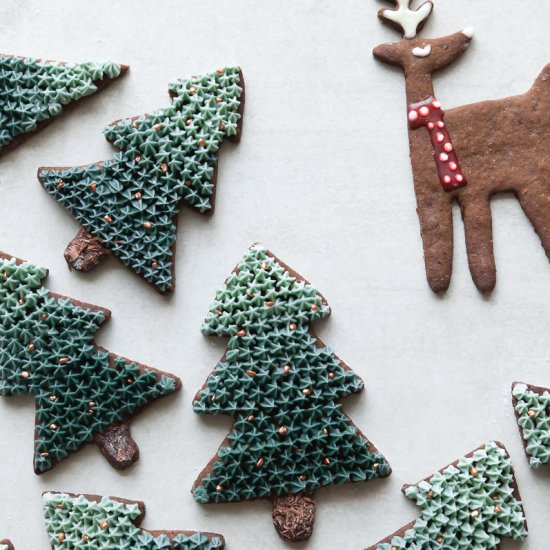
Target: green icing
32,91
265,311
47,350
533,411
166,156
78,523
470,506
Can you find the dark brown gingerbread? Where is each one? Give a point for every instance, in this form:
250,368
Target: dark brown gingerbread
401,532
7,543
139,520
501,145
116,443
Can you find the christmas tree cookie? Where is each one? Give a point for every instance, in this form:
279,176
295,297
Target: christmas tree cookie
95,523
532,408
6,545
128,206
283,386
34,91
470,505
82,392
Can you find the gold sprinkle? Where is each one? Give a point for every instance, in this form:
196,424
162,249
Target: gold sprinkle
498,509
202,142
286,369
63,360
138,159
30,347
222,125
154,265
107,218
264,265
60,184
218,311
439,539
21,301
473,472
134,124
283,430
44,316
251,418
104,525
188,122
306,392
375,466
219,71
91,411
260,463
314,307
326,460
292,326
164,167
188,182
157,127
269,303
130,380
85,538
45,454
192,90
137,195
219,100
53,426
60,506
531,413
147,225
92,404
61,537
331,375
429,494
249,292
241,332
474,513
325,431
53,398
93,186
251,373
25,374
303,477
219,488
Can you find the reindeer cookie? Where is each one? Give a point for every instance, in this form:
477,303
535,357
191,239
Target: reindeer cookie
453,153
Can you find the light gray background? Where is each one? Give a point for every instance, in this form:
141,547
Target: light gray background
322,178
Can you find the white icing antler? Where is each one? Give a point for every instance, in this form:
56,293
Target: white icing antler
406,18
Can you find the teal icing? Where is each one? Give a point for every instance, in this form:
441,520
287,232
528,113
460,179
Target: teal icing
265,311
533,412
470,506
170,155
76,522
32,91
47,350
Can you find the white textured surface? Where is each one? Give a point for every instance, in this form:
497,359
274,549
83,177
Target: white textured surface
322,178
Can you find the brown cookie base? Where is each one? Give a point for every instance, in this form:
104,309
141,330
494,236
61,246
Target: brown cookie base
7,543
78,248
288,523
535,389
139,520
116,443
100,84
401,532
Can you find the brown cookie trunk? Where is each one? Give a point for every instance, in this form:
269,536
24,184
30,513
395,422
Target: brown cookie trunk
116,443
535,389
85,251
100,85
282,520
104,245
139,520
501,146
401,532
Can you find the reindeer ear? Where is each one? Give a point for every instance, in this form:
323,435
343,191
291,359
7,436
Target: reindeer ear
389,53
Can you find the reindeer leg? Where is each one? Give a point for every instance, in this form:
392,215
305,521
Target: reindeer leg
535,201
478,227
436,227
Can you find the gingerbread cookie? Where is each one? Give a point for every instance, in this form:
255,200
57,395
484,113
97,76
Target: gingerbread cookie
469,153
82,392
6,545
35,91
532,408
472,503
283,386
95,523
128,206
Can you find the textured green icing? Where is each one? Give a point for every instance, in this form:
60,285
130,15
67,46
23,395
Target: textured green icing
265,311
167,156
32,91
465,508
47,350
533,410
78,523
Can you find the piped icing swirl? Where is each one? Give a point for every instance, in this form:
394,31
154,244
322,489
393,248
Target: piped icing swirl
533,414
32,91
282,386
76,522
47,350
167,156
469,506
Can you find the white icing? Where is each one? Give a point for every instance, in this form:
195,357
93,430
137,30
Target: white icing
469,32
422,52
409,19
